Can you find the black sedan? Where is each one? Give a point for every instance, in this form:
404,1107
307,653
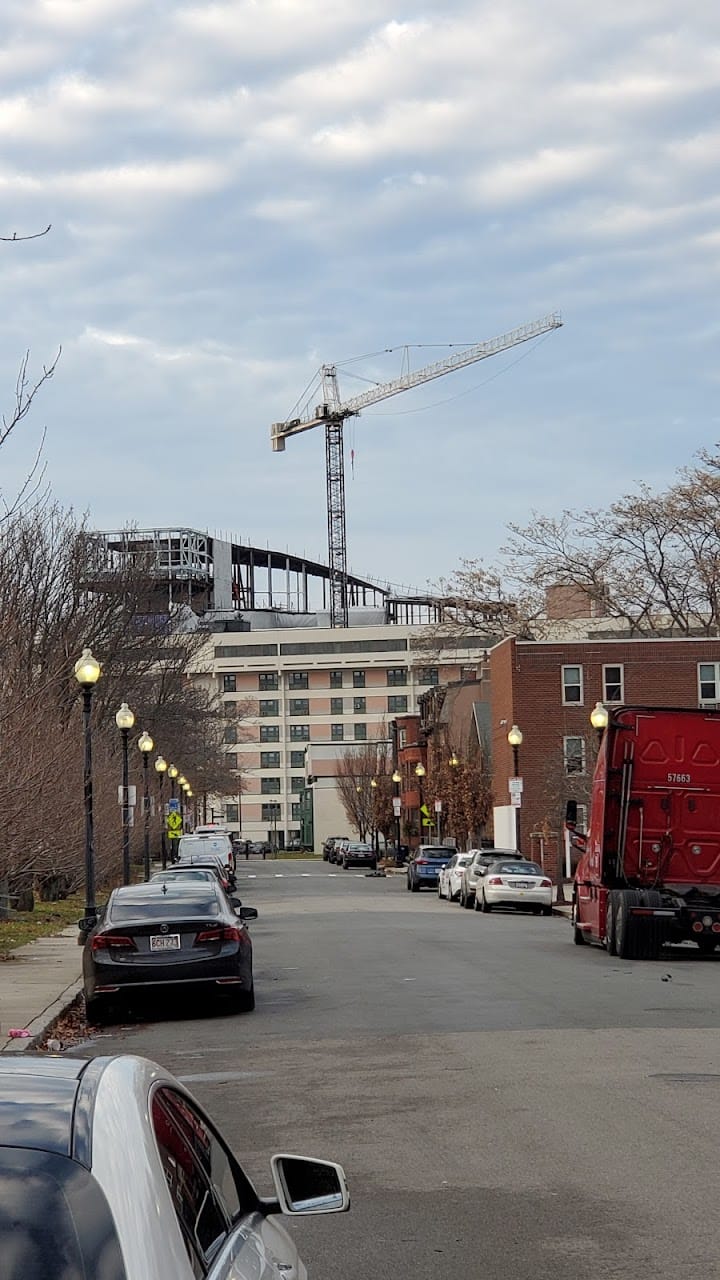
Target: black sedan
158,937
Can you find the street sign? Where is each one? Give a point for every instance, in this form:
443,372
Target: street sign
516,800
174,826
515,786
438,806
397,804
173,805
131,796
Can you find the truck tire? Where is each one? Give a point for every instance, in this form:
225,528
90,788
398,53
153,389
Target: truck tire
624,924
611,924
651,932
578,935
706,946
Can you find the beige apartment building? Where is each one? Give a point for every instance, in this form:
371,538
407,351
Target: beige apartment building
292,680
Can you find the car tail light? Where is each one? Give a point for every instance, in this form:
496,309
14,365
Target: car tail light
223,933
422,862
495,880
106,941
546,884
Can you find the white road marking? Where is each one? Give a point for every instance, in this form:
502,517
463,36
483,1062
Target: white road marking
279,875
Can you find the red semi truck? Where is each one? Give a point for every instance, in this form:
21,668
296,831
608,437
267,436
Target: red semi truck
649,872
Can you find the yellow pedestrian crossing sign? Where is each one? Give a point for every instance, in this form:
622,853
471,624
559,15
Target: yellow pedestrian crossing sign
174,826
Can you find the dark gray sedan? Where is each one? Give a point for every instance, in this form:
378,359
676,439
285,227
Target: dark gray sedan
163,936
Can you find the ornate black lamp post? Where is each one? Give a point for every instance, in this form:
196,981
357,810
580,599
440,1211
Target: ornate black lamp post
160,769
125,720
87,674
515,739
146,744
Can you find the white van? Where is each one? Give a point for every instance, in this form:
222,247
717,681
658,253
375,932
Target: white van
217,843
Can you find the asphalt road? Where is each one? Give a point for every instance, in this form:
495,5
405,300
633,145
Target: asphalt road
505,1104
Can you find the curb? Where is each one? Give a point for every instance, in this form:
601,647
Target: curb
40,1024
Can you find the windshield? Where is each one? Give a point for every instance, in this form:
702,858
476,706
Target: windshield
169,908
516,869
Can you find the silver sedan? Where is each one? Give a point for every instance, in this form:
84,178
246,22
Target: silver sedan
110,1169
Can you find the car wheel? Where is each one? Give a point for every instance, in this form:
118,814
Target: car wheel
373,866
476,904
546,911
469,901
485,908
244,1002
96,1011
415,887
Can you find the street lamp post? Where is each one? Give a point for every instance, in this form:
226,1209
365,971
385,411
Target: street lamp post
160,769
146,744
515,739
172,775
87,674
420,772
182,782
125,720
599,717
454,764
376,836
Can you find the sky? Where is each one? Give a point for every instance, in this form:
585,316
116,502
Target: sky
240,192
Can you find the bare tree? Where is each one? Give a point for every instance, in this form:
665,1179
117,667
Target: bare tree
365,787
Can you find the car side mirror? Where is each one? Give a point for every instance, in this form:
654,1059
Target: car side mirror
236,902
306,1186
246,913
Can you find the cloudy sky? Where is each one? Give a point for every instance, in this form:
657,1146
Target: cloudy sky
241,191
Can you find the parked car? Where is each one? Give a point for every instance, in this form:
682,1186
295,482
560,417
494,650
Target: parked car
110,1169
217,843
514,882
212,860
449,877
329,845
261,848
473,872
159,937
424,867
337,851
358,854
179,873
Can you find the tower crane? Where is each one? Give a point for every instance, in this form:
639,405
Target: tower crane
332,414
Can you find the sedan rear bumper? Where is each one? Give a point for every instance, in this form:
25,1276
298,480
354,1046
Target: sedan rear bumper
504,897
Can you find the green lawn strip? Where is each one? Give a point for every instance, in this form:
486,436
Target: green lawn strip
47,919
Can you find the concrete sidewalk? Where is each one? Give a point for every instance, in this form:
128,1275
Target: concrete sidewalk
37,982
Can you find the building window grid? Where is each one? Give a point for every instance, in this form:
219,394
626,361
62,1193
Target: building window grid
429,675
297,784
397,676
297,679
268,680
297,759
397,702
299,733
336,679
572,686
613,683
574,754
229,682
269,786
268,707
270,812
360,706
299,707
337,706
360,732
337,732
269,732
358,679
708,683
269,759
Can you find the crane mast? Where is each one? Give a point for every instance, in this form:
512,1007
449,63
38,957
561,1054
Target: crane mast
332,414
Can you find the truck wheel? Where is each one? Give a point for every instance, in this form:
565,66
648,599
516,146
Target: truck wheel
578,935
651,932
706,946
628,931
611,924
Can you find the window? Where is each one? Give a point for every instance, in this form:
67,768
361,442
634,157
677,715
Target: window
269,786
572,685
230,733
207,1188
299,707
267,680
295,811
297,759
397,675
581,824
708,682
397,702
360,706
229,682
268,707
270,812
574,755
337,732
269,732
269,759
297,679
297,784
336,679
231,813
337,706
299,733
428,675
360,732
613,682
358,679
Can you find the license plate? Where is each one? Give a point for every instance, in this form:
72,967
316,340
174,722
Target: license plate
165,942
520,884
